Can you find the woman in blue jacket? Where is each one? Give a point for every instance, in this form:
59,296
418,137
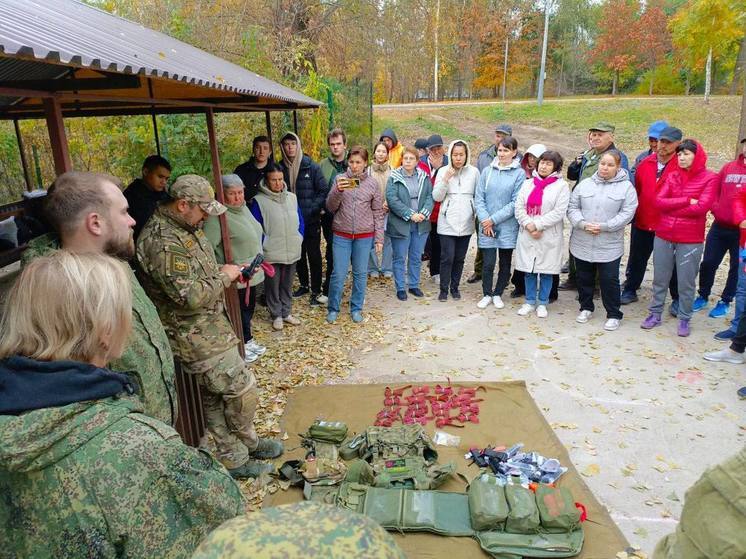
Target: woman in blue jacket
409,196
494,201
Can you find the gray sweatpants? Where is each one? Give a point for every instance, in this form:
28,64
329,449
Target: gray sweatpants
686,257
278,290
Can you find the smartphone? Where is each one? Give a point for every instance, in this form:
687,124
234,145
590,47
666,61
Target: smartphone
353,182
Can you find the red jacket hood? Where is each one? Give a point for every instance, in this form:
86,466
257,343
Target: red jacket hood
699,163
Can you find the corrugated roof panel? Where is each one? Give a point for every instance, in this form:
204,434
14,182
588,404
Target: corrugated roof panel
79,35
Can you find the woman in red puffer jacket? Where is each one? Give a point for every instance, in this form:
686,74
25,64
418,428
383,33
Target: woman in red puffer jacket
684,199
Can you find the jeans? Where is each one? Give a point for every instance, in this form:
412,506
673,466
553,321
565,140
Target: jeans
489,255
685,259
348,251
326,227
409,249
247,311
544,282
719,241
640,249
435,250
608,276
452,255
740,293
383,264
310,257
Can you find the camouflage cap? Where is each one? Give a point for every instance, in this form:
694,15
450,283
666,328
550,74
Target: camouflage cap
602,127
300,530
196,189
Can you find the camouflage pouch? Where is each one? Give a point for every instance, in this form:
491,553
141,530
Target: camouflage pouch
523,517
360,472
323,466
333,432
488,508
557,509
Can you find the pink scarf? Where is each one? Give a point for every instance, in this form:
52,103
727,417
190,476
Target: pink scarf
533,204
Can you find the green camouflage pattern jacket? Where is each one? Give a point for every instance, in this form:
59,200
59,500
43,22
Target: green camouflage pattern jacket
97,479
182,277
300,531
148,352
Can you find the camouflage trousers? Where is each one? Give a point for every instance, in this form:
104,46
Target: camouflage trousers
229,397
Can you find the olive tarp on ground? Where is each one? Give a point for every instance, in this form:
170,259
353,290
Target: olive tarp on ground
507,416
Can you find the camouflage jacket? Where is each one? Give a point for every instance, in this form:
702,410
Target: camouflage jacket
181,275
97,479
147,353
299,531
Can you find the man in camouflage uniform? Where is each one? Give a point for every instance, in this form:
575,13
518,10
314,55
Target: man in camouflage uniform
89,214
305,530
182,277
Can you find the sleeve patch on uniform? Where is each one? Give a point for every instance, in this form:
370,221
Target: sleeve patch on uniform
178,265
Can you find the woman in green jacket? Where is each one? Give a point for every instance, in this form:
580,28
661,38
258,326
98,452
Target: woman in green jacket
83,473
246,242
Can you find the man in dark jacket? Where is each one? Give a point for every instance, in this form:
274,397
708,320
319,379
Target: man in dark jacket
252,171
331,166
304,178
144,194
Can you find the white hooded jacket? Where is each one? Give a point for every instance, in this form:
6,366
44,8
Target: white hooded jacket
456,195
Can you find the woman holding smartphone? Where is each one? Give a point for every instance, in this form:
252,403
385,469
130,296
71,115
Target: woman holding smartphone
357,204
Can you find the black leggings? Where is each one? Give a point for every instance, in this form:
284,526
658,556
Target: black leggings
452,255
489,256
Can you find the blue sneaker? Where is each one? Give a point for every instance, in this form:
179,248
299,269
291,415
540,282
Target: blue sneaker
357,316
719,310
742,393
699,304
331,317
674,308
725,335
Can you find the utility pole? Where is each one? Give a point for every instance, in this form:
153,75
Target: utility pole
505,66
742,127
435,70
542,71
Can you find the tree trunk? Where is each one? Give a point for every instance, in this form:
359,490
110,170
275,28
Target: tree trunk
740,68
614,82
652,79
708,75
561,75
687,84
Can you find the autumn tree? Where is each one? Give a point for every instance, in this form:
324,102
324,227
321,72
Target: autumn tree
708,31
654,39
616,45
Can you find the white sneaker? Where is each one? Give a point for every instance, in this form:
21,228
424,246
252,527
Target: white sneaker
612,324
526,309
583,317
323,299
290,319
541,311
484,302
726,355
498,302
250,357
435,278
277,323
254,347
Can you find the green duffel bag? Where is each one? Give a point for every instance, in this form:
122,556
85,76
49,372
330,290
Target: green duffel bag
502,545
333,432
523,517
557,509
488,508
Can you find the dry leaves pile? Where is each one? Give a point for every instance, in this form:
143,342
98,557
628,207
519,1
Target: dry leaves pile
309,354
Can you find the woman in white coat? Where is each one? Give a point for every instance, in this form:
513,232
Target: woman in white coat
454,188
540,210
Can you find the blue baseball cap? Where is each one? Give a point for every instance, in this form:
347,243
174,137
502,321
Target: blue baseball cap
655,129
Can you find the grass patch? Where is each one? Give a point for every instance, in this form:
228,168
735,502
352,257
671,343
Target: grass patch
714,125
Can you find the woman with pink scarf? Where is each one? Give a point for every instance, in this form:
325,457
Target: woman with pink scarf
540,210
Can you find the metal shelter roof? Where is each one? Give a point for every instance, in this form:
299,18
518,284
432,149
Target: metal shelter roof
99,64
